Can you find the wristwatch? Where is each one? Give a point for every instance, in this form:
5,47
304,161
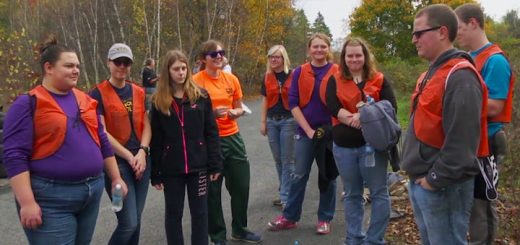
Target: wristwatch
146,149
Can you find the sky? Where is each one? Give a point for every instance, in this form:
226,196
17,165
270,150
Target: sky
336,12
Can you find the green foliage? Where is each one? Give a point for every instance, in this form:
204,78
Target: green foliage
512,21
320,26
295,40
19,76
387,26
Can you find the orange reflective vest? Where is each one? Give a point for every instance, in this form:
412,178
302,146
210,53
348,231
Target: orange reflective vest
349,95
480,60
273,90
50,122
306,83
428,112
116,116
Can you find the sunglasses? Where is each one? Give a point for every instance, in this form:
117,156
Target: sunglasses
124,62
214,54
418,34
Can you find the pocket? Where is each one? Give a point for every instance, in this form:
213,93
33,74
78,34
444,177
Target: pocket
38,185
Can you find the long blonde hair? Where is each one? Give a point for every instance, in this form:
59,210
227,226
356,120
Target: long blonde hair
163,97
285,57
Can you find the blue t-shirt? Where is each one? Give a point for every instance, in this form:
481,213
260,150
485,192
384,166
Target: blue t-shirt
496,73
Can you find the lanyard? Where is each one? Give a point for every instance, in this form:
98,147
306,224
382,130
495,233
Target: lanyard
180,114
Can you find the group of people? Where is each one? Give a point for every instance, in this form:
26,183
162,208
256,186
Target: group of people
454,140
63,146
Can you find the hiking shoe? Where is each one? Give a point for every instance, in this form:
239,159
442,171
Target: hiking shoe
277,203
323,227
249,237
281,223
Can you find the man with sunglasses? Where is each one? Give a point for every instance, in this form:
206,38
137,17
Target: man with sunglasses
121,104
443,140
495,69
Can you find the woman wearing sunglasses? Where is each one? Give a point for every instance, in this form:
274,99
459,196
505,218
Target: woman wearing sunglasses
122,106
277,121
226,97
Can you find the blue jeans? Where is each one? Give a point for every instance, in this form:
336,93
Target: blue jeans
354,173
69,210
442,216
129,218
281,140
305,154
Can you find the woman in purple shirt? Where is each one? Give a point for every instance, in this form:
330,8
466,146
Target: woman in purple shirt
55,150
311,113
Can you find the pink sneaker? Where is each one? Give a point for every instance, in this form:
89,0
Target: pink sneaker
281,223
323,227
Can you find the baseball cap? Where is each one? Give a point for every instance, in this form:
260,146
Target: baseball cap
120,50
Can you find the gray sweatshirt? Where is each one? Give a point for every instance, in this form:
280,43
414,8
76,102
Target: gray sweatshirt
456,160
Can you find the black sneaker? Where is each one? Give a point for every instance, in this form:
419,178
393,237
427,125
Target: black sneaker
277,203
249,237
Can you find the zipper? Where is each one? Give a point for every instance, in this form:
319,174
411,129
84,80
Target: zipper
180,116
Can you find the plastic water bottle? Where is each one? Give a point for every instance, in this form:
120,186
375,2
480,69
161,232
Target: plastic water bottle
370,100
369,150
117,199
296,242
370,160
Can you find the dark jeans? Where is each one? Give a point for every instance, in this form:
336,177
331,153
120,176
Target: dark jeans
174,188
129,218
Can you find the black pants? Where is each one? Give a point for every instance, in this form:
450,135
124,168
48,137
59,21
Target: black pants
174,189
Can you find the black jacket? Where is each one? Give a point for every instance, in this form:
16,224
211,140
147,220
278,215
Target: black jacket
201,137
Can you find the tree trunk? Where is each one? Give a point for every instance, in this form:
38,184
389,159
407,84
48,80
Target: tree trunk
78,43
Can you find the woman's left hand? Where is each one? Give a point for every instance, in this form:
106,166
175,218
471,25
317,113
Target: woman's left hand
139,164
355,123
214,177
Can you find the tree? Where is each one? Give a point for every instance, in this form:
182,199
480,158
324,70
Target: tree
512,22
320,26
295,40
387,27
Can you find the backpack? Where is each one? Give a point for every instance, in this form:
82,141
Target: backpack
379,125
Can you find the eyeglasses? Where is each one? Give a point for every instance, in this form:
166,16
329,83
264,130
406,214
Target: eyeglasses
274,57
214,54
124,62
418,34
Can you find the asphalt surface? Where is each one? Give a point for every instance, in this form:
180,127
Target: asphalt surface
264,185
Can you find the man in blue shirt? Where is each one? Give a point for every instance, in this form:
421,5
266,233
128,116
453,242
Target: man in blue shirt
495,69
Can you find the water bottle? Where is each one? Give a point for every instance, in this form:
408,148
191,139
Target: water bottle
370,160
117,198
369,150
296,242
370,100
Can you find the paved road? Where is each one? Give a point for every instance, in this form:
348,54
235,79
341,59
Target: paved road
264,186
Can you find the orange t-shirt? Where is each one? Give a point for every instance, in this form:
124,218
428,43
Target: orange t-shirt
223,90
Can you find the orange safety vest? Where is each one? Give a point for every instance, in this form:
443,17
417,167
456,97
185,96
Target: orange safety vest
50,122
306,83
428,112
273,90
507,112
349,95
117,120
